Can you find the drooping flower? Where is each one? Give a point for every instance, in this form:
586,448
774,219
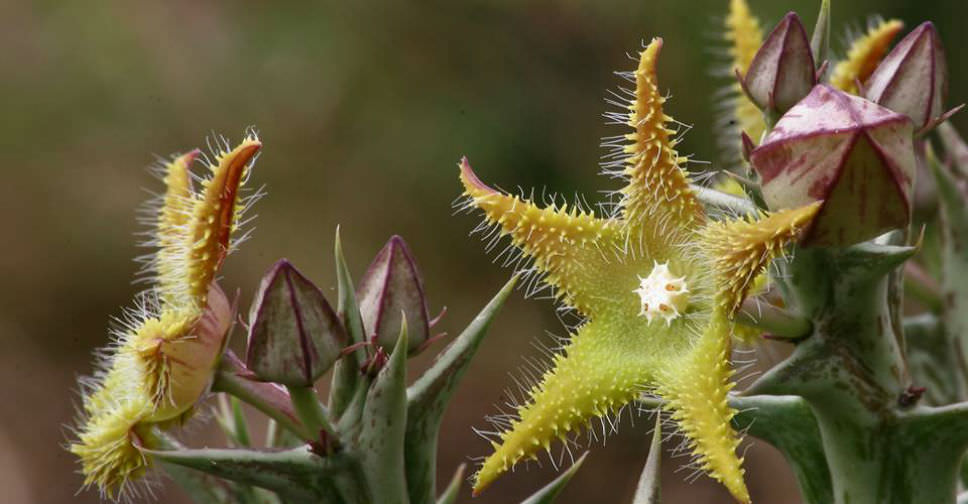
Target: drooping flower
657,283
166,350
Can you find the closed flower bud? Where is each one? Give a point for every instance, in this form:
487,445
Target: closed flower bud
913,78
782,72
391,288
854,155
294,335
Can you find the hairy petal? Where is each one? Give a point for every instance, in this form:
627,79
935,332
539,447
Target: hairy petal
108,451
172,226
563,244
744,35
599,372
658,188
215,217
695,388
740,249
864,55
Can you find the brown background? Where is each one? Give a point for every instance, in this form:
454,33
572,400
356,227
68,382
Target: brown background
364,108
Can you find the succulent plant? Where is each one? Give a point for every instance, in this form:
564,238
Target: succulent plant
809,242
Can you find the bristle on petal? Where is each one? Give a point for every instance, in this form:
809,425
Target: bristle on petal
657,185
740,249
864,55
598,375
216,216
557,239
695,388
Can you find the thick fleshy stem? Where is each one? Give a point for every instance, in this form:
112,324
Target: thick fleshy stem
851,370
310,410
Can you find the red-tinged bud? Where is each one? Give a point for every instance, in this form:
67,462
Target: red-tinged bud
783,71
855,155
913,78
294,334
391,287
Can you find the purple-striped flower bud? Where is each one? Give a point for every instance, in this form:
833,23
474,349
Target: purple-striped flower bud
913,78
782,71
855,155
391,288
294,334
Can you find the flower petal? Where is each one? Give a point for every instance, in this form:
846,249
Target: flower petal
695,387
172,226
864,55
658,188
216,216
740,249
566,245
600,371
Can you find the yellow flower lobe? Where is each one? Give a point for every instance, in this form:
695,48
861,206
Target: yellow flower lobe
864,55
744,35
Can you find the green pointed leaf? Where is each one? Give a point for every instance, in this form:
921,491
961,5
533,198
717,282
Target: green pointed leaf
453,488
382,428
296,475
549,493
874,260
202,488
649,489
787,423
820,42
427,399
346,375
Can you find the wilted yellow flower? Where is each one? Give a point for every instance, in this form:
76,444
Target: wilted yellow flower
163,358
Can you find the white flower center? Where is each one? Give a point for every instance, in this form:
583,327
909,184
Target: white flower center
662,294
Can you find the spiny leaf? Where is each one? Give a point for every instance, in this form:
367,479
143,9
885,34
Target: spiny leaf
649,489
453,488
296,475
346,376
427,399
383,427
549,492
787,423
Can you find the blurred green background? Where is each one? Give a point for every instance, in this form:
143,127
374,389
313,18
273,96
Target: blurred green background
364,108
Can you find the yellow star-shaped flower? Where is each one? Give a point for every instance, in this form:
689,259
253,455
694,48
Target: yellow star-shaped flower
657,283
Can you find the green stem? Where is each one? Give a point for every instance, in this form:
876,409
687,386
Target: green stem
267,398
310,410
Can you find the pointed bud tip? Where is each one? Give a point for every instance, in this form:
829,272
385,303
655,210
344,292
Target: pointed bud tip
294,334
782,71
913,78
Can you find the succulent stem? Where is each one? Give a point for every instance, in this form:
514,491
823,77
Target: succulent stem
778,322
310,410
267,398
